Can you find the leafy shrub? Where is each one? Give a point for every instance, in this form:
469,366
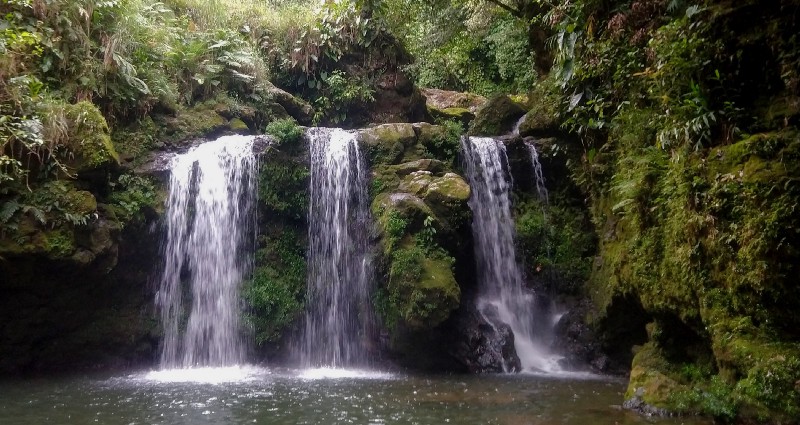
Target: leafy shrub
447,144
275,292
337,94
395,227
286,131
130,195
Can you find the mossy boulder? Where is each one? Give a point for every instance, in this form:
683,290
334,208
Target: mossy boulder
422,290
419,207
84,131
188,123
460,115
541,120
429,165
388,142
238,126
450,190
410,208
446,195
648,380
497,117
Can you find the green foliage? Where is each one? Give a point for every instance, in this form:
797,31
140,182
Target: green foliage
286,131
337,94
52,205
283,184
508,40
465,46
426,237
340,32
130,196
395,227
555,239
275,292
713,399
445,145
421,290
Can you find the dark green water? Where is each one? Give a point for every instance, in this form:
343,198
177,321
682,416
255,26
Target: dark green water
261,396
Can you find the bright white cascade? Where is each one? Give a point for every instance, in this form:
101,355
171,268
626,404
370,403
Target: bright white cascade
209,227
338,315
502,296
541,189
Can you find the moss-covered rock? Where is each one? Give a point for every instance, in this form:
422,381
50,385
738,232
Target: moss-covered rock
238,126
84,131
429,165
648,381
496,117
460,115
409,207
388,142
449,190
422,291
420,209
276,289
707,241
542,119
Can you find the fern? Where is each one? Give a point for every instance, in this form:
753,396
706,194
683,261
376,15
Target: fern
8,209
674,5
37,213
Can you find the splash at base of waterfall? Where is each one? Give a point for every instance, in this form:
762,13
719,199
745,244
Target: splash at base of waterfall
208,375
503,299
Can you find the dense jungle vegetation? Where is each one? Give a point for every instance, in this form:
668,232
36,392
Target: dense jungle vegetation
677,120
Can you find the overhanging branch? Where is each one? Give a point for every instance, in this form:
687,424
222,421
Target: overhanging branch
509,9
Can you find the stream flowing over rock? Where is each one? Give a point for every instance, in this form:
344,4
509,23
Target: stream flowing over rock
209,235
338,316
502,298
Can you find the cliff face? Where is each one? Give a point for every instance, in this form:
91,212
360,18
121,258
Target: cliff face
686,149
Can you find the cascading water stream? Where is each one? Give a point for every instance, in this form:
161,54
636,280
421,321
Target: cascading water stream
541,189
499,276
209,228
338,315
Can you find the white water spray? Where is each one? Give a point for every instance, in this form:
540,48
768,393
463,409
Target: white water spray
209,226
338,315
541,189
499,276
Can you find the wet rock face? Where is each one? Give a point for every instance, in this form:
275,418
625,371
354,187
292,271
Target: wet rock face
444,105
481,347
496,117
82,311
580,345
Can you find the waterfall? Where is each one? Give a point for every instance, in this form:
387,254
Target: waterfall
502,295
541,189
338,315
209,228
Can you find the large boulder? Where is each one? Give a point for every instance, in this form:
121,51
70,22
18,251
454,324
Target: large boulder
85,133
445,99
496,117
482,346
444,105
387,143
